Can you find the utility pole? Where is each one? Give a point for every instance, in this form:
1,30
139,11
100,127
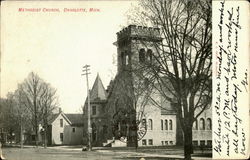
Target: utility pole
86,72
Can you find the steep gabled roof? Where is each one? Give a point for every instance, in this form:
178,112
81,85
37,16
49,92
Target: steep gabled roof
75,119
98,91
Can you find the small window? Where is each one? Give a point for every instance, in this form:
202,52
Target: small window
150,124
73,130
166,142
149,55
170,125
202,124
150,142
209,124
195,125
93,110
61,122
144,142
127,60
202,143
161,124
195,143
209,143
166,124
162,143
171,142
142,55
61,136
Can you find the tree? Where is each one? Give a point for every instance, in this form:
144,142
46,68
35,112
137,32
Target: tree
21,114
48,102
32,89
128,97
40,99
181,68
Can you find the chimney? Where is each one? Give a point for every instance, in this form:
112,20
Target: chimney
60,109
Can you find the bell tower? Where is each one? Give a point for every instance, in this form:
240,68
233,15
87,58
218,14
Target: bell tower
136,44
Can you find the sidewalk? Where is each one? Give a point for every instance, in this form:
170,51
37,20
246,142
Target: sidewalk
132,154
145,155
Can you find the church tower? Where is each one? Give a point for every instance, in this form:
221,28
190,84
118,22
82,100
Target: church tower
136,44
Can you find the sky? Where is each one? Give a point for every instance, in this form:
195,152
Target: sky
56,45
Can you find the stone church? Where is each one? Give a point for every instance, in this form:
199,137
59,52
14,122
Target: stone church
121,115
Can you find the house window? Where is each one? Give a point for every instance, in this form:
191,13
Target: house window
149,55
170,125
202,124
61,136
195,125
166,142
162,143
166,124
202,143
61,122
209,124
93,110
150,142
209,143
150,124
126,60
142,55
73,130
171,142
195,143
161,124
144,142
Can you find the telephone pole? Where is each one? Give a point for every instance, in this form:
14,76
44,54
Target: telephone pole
86,72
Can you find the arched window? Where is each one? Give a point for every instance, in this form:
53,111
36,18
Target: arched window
209,124
195,125
202,124
149,55
166,124
126,60
162,124
170,125
150,124
142,55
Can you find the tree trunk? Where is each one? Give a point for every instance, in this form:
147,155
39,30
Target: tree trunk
45,136
188,136
21,133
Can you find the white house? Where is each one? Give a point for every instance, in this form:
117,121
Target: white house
65,129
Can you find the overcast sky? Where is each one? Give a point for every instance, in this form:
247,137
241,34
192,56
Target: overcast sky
56,45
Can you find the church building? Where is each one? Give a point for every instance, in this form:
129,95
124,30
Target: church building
121,115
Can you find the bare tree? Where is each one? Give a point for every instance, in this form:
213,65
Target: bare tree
182,61
48,102
32,89
128,97
21,113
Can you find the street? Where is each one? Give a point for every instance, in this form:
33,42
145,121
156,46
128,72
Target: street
71,153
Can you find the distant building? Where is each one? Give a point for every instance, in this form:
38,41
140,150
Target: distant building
112,113
65,129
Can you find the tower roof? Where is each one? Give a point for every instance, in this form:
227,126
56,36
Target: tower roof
98,91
